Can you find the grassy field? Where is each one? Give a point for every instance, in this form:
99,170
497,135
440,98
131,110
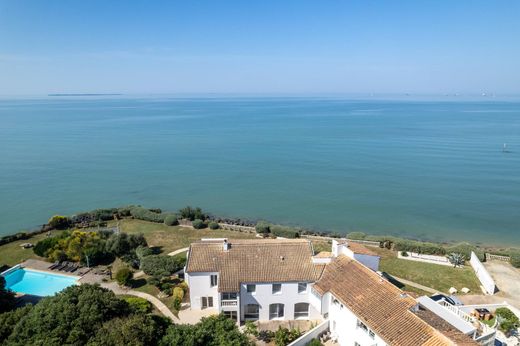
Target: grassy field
171,238
13,253
436,276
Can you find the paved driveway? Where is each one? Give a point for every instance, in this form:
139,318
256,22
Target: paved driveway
507,279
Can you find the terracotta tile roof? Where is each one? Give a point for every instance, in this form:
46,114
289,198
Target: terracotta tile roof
323,254
360,249
378,304
445,328
254,261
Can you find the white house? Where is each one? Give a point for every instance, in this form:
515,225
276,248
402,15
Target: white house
253,279
281,279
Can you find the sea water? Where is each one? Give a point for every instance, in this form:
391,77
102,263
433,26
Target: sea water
433,170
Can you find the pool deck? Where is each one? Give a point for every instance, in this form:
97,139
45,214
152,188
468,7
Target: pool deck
44,267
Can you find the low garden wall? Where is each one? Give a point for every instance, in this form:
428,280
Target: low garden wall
482,274
314,333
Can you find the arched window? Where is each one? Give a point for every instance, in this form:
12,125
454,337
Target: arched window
276,311
252,311
301,310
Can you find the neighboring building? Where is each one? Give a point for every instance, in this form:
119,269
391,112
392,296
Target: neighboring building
281,279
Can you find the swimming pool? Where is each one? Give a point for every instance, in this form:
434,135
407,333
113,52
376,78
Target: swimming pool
37,283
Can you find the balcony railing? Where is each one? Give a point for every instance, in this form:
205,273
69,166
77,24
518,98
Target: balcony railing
229,303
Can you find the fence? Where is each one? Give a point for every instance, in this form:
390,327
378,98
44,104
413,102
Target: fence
314,333
482,274
497,257
413,256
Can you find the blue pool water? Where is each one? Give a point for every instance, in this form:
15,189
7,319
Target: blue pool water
37,283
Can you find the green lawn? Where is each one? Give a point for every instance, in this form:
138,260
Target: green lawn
171,238
12,253
436,276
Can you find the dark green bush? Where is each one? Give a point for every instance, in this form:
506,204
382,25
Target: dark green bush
515,260
144,214
59,222
213,225
419,247
198,224
192,213
161,265
43,247
139,305
262,227
314,342
284,231
171,220
123,276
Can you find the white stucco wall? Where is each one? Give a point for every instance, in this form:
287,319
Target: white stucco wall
200,286
288,296
343,326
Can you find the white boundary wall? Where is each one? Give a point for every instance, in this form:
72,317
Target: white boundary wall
485,279
311,334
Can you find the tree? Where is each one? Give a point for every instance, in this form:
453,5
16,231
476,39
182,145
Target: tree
7,297
123,276
8,321
192,213
123,244
71,317
135,330
198,224
59,222
171,220
456,259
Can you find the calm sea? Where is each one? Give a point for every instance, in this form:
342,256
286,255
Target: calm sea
421,169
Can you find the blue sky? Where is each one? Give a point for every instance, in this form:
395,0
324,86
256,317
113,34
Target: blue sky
438,46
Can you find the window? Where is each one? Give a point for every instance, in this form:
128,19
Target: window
231,314
229,296
302,287
251,288
275,311
277,288
207,302
252,311
362,326
301,310
213,280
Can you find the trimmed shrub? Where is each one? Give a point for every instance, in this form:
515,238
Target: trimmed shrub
123,276
284,231
314,342
419,247
262,227
144,214
213,225
178,292
515,260
161,265
139,305
171,220
59,222
198,224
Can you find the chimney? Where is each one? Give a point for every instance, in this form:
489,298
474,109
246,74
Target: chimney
226,245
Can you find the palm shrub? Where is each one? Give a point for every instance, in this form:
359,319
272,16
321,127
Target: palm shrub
456,259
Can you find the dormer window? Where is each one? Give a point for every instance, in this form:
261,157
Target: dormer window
213,280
